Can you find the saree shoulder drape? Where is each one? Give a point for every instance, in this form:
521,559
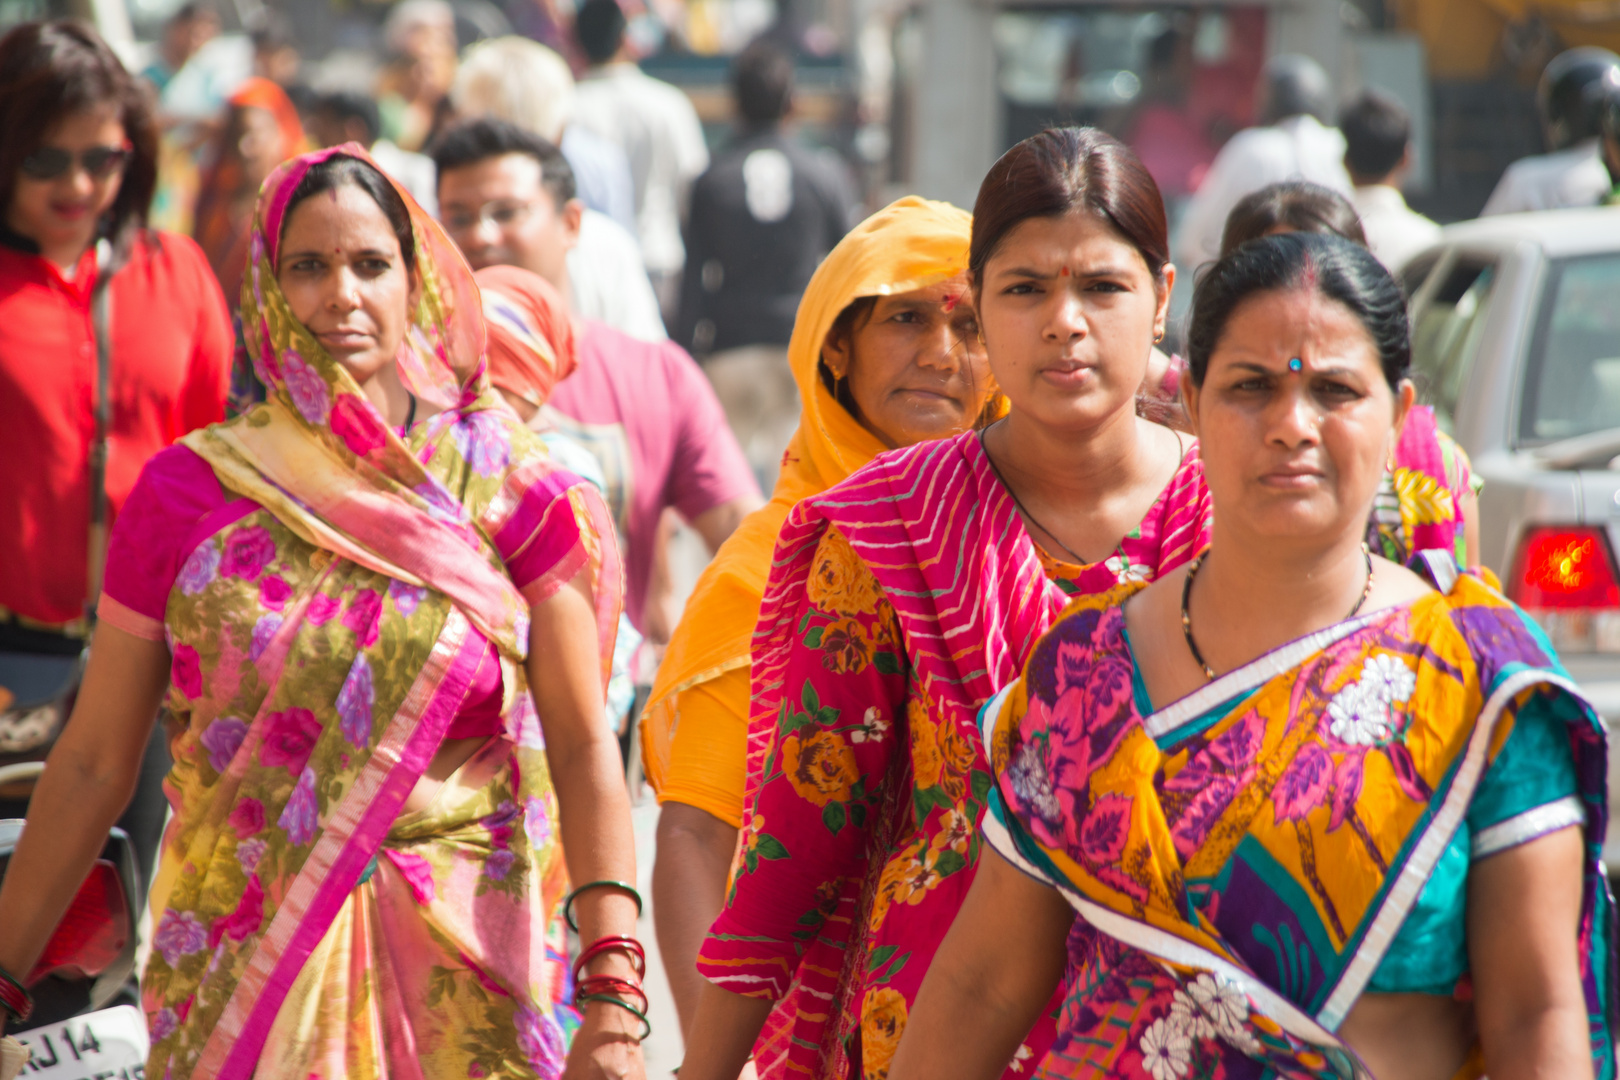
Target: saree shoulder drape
899,602
1248,861
325,636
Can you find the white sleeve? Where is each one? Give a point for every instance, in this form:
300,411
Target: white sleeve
1508,197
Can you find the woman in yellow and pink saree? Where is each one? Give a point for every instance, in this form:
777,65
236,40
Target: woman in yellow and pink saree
1281,840
384,645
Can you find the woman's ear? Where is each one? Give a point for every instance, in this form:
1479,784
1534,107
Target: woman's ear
1165,284
1189,400
1405,395
836,354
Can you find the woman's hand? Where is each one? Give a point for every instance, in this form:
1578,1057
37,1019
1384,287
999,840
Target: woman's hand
606,1046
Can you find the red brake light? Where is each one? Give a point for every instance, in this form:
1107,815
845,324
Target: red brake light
93,931
1565,568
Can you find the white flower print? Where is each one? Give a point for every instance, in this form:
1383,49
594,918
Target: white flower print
873,727
1186,1015
1033,784
1166,1049
1224,1002
1126,571
1021,1059
1362,714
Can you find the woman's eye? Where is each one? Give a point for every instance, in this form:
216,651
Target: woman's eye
1023,288
1337,390
906,317
375,266
306,266
1107,287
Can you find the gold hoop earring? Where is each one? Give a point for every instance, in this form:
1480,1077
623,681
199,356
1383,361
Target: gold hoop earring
1158,337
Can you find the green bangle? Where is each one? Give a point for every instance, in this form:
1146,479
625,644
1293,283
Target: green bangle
627,1007
625,886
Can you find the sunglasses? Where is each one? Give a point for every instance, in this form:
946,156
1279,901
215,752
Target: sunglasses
49,162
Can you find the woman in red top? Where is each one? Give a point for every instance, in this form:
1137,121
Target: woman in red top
77,167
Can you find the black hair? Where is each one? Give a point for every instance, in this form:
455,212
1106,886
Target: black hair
346,105
599,25
193,10
1330,265
762,81
1294,205
271,31
340,170
473,141
1377,131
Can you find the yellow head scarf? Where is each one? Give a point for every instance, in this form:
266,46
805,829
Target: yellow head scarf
909,244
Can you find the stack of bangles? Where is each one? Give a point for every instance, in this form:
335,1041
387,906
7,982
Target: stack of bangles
15,999
627,994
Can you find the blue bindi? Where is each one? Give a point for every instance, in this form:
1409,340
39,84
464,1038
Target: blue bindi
1296,365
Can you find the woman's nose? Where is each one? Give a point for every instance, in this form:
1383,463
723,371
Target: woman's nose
1068,318
1295,418
345,290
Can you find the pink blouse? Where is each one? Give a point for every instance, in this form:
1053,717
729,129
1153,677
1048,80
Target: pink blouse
178,503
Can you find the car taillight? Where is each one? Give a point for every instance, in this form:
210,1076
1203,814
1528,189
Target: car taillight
93,931
1565,578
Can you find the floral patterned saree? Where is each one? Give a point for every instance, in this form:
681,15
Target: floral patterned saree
1244,861
322,644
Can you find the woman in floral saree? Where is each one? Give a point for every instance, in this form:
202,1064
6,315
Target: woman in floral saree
350,618
1299,843
901,599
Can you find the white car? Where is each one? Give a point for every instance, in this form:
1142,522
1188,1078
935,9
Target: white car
1516,344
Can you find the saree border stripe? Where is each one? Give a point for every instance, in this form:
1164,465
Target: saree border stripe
1426,852
1165,946
1522,828
353,827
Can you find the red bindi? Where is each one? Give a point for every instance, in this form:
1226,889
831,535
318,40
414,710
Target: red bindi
951,302
1064,272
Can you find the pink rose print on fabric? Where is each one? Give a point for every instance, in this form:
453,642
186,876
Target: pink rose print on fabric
263,631
178,935
1304,785
222,739
355,422
362,616
247,818
1105,829
302,814
248,552
482,440
245,920
249,852
417,872
186,671
405,597
274,592
306,388
201,567
289,738
536,822
355,701
321,609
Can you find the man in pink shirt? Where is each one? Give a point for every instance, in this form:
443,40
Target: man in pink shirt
645,410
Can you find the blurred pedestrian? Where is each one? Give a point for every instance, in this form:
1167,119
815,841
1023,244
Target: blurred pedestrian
276,56
413,96
261,131
763,216
1294,141
193,25
1378,154
1163,131
349,116
655,125
1610,127
1570,99
888,309
508,195
642,408
525,83
77,169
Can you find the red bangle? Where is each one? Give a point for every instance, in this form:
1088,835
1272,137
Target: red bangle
15,998
593,985
614,943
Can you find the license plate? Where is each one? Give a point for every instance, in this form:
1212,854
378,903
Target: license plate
108,1045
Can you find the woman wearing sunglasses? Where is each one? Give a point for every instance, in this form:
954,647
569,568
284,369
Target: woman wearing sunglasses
77,167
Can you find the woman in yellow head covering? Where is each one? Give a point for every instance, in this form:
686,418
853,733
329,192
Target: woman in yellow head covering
886,353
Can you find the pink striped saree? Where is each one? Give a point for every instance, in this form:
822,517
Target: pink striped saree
899,602
322,645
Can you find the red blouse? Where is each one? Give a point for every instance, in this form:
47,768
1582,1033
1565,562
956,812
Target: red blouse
171,356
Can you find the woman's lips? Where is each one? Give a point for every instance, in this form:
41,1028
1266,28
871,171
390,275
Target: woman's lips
1069,373
1292,478
70,211
344,339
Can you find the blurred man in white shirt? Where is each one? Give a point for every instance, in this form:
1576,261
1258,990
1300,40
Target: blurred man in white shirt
655,125
1570,98
1378,152
1293,143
